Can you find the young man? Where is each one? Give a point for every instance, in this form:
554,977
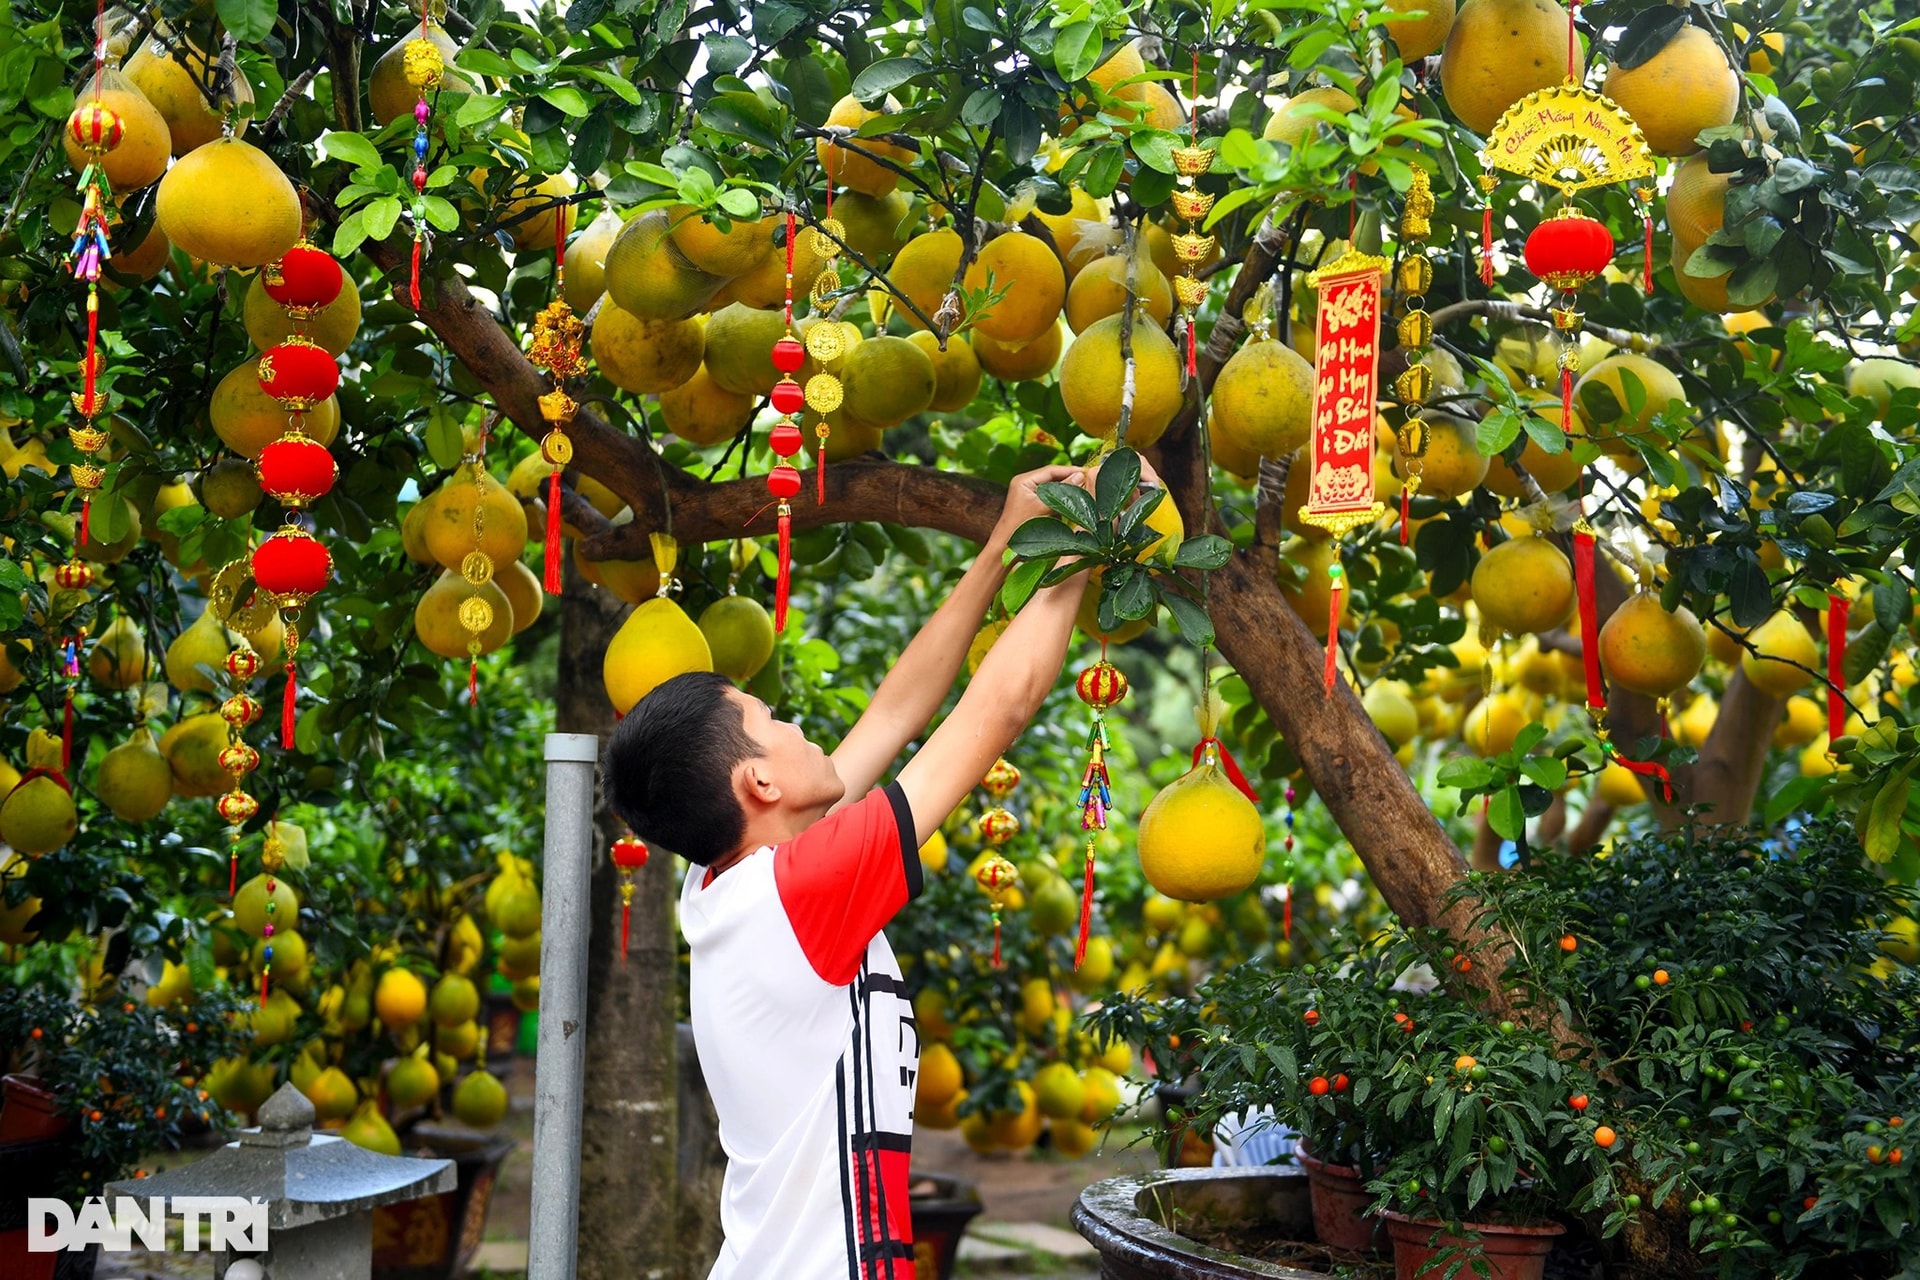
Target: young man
806,1037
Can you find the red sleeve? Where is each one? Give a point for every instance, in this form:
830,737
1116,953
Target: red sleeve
844,877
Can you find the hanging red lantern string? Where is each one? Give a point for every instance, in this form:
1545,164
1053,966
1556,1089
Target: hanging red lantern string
422,65
629,855
1568,251
783,481
291,567
1838,607
1100,686
557,335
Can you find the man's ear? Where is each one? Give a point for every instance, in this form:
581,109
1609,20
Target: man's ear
754,783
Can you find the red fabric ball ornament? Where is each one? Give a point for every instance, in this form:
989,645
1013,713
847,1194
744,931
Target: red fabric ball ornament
783,481
629,853
299,373
1569,249
296,470
785,438
243,664
1101,685
237,807
74,576
95,126
292,565
789,355
788,397
304,281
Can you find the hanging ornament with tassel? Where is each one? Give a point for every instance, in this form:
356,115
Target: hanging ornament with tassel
1192,246
240,710
557,335
997,877
629,855
826,339
476,611
1101,686
422,65
1415,383
95,129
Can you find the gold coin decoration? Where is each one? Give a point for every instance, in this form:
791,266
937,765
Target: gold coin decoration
557,448
826,286
824,341
223,592
476,614
824,239
477,568
824,393
255,613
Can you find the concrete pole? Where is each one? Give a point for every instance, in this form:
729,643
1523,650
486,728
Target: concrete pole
560,1067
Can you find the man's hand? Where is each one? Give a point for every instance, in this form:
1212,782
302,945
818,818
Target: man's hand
1023,499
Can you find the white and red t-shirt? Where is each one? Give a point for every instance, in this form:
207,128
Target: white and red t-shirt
807,1042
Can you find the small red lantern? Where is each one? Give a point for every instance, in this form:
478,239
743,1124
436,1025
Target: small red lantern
292,566
296,470
789,355
299,373
785,439
783,481
305,281
75,575
238,758
243,664
237,807
240,710
1101,685
788,397
629,855
1569,249
95,127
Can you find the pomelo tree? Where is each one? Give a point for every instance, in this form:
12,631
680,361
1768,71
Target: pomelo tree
1000,260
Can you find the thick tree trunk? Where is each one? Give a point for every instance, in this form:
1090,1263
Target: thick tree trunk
628,1209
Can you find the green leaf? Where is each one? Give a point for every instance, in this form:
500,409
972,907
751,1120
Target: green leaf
380,216
738,202
1465,773
727,53
1071,501
349,235
250,21
1547,435
1133,597
882,77
441,215
1193,621
1113,487
1545,771
1155,148
444,438
1649,31
1506,815
567,98
353,148
982,107
1865,652
1076,51
1500,428
1892,606
1044,536
1022,583
1882,837
1207,552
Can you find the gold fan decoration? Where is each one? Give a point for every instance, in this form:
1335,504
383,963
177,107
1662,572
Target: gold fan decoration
1570,138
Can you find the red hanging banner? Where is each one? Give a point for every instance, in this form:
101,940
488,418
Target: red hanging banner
1346,376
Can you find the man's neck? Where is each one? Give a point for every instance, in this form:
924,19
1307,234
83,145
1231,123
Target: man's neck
774,827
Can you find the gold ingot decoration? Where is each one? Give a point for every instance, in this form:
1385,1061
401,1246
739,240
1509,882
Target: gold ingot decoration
1191,290
558,407
557,334
1191,162
87,439
556,448
1414,385
1413,438
1566,319
824,393
87,409
477,567
1416,276
1416,329
1192,248
1192,205
86,476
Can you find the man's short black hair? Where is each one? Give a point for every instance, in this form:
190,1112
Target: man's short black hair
669,767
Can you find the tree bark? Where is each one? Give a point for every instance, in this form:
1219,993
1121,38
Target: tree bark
628,1209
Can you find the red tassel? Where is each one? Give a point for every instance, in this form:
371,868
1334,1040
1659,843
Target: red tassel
996,940
1193,361
1837,608
1232,767
784,579
66,736
413,287
820,476
1086,912
1486,243
1406,507
86,510
473,681
1566,399
233,873
626,918
1649,769
552,580
1589,622
263,988
1286,913
1334,598
286,708
1649,259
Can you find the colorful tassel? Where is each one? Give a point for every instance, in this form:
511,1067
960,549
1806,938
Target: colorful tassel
1486,244
551,583
413,284
1837,609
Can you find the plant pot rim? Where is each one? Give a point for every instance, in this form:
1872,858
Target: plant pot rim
1108,1216
1310,1161
1548,1228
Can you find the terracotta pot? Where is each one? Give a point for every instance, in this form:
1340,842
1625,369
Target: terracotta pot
1512,1252
30,1111
1340,1201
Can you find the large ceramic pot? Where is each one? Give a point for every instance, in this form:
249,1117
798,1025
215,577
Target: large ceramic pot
1340,1201
939,1220
1126,1220
434,1237
29,1111
1512,1252
27,1169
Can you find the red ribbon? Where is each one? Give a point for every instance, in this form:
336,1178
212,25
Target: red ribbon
1486,242
233,872
1227,762
59,777
1646,768
413,285
1406,506
1566,399
1837,608
820,477
996,942
263,988
286,706
1589,620
86,510
1648,218
1334,597
1193,362
473,680
551,583
1086,911
784,578
626,918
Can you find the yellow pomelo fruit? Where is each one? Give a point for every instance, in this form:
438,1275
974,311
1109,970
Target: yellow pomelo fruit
1309,592
1804,721
1122,65
411,1082
1059,1092
1073,1138
1034,282
1392,711
740,348
228,203
1199,838
144,260
887,380
1070,228
1103,1096
1453,464
1553,472
1116,1060
943,1117
1878,377
175,987
1230,457
1100,289
450,518
657,642
739,636
239,1085
290,957
1293,125
1092,377
644,356
983,641
1709,293
250,906
529,212
526,994
463,946
135,780
1697,201
11,677
1686,87
436,618
1162,914
1648,650
171,80
99,552
192,748
247,419
454,1000
332,1094
1165,519
1054,910
520,956
1096,968
334,328
873,224
1163,110
586,261
480,1100
459,1040
1779,643
1422,37
1691,727
635,581
858,170
369,1130
940,1079
14,919
273,1023
389,94
1028,363
145,144
1620,786
933,853
1497,53
204,644
722,253
1036,1005
702,412
118,658
413,532
1263,399
37,816
650,278
956,371
522,589
400,999
975,1130
923,271
1016,1130
765,285
1658,385
1493,724
1524,585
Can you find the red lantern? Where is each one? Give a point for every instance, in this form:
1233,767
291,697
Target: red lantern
788,397
292,566
1101,685
299,373
237,807
305,281
789,355
785,439
243,664
94,127
783,481
296,470
1569,249
629,855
